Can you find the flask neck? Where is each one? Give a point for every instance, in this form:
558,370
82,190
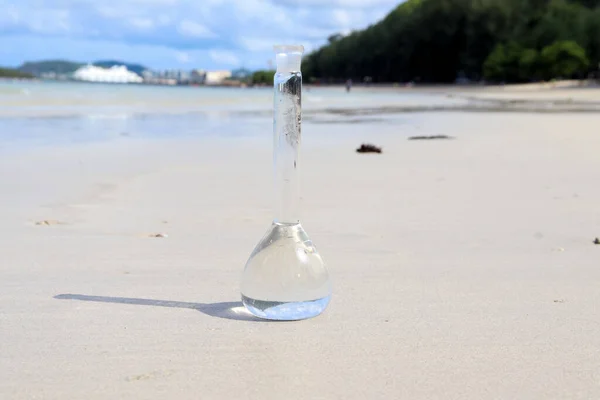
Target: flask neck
286,145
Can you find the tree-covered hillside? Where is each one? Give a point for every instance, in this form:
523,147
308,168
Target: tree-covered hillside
63,67
38,68
14,73
442,40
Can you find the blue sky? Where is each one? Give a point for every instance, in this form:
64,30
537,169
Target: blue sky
175,33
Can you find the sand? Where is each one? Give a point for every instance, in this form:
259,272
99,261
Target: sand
462,269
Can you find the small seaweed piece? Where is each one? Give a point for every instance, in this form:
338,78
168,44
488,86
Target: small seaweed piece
48,222
158,235
430,137
369,148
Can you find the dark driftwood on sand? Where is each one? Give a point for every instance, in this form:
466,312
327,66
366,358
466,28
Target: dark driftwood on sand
429,137
368,148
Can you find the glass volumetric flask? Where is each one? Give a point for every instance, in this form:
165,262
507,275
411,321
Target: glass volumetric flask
285,277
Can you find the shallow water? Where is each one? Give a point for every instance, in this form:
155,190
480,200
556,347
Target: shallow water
43,99
39,113
35,113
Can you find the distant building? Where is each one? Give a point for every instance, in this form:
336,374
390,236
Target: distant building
48,75
171,74
148,75
216,77
115,74
198,76
184,76
241,74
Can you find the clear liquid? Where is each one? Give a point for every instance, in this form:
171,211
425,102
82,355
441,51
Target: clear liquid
285,311
285,277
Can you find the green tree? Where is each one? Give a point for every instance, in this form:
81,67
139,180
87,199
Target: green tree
529,65
13,73
504,63
564,59
263,77
56,66
588,3
592,32
438,40
562,20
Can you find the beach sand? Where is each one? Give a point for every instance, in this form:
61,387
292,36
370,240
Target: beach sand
462,268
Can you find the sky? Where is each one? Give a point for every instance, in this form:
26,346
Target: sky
175,34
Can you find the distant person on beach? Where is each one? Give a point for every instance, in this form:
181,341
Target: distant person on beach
348,85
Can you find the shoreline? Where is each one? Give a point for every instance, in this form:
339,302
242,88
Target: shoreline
36,100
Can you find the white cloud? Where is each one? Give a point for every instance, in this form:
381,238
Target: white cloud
156,2
194,29
257,44
341,17
224,57
182,57
265,45
109,12
50,22
9,16
341,3
142,23
199,33
163,20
